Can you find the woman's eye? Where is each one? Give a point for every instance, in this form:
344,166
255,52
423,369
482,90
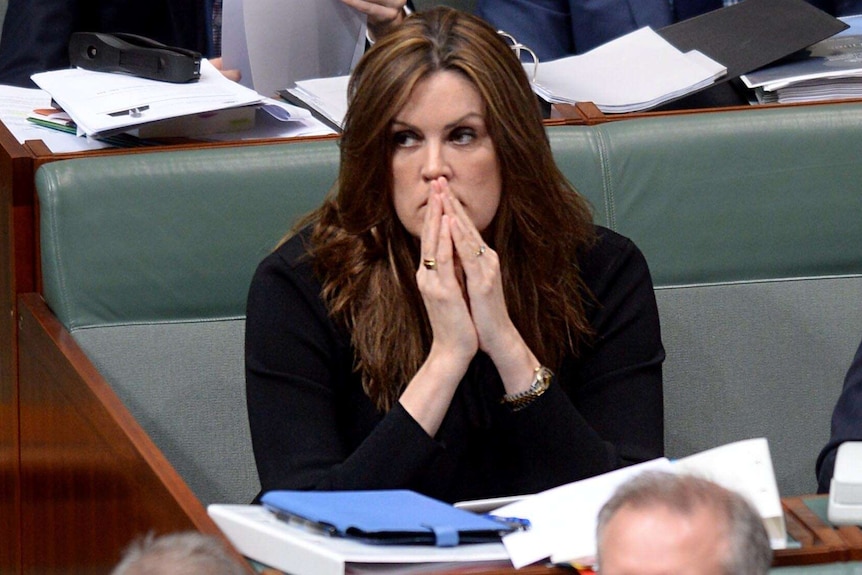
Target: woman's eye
405,139
463,135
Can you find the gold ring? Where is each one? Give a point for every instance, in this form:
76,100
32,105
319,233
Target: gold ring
430,263
480,251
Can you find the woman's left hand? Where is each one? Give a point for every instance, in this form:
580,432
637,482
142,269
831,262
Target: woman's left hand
483,279
497,334
383,15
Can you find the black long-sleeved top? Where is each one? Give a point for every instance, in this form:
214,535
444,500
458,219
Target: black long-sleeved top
313,427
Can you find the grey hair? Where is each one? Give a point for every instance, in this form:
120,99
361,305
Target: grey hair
748,544
182,553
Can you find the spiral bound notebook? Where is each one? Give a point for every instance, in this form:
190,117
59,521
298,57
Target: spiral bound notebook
385,517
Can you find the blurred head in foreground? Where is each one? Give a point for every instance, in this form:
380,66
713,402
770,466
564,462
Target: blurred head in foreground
185,553
665,524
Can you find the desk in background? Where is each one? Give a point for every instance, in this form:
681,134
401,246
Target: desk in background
825,549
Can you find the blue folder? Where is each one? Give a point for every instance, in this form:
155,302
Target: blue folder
400,517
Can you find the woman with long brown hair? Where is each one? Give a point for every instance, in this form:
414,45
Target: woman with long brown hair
450,320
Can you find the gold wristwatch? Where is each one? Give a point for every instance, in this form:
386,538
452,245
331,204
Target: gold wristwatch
541,381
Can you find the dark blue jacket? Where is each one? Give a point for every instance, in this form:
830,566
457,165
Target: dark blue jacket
846,422
557,28
36,32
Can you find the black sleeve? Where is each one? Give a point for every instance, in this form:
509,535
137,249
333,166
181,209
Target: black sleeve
606,408
36,38
846,422
312,426
36,33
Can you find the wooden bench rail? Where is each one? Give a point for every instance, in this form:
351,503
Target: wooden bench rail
91,478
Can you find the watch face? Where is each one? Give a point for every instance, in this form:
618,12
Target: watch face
541,382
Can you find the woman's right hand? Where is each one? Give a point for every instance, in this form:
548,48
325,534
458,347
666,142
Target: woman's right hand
455,341
442,286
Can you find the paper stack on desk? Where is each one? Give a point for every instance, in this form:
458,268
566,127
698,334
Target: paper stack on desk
828,70
102,103
326,96
564,518
635,72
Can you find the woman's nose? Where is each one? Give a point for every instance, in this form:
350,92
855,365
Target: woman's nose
435,163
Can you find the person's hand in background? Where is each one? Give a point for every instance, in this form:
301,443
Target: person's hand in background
382,15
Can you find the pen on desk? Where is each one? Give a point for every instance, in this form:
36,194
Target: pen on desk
516,522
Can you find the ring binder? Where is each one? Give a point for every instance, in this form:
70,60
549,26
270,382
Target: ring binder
517,47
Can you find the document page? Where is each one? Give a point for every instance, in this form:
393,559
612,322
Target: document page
275,43
563,519
634,72
102,103
16,104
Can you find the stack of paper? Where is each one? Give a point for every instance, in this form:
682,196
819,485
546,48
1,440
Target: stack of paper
564,518
326,96
635,72
828,70
102,104
290,40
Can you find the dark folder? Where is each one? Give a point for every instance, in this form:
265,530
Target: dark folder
385,517
753,33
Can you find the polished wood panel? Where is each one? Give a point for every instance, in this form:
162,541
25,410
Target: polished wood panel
587,113
801,510
821,543
91,479
15,179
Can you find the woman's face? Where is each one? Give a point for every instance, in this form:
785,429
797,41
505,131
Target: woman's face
441,131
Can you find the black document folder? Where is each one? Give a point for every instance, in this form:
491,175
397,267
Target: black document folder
753,33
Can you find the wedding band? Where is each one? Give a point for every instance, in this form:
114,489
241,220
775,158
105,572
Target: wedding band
480,251
430,263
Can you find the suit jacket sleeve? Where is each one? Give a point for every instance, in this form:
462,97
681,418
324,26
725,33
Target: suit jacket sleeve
846,422
36,38
36,33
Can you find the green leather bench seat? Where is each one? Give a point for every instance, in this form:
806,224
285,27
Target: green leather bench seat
750,222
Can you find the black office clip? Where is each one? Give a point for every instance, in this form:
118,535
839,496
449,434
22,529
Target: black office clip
135,55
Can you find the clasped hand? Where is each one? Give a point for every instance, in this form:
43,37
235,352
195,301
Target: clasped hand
460,282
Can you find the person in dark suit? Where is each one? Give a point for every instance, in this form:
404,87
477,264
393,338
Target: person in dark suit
36,32
557,28
846,422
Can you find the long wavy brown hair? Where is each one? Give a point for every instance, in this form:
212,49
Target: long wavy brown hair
367,260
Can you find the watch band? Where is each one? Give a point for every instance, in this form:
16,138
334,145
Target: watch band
541,381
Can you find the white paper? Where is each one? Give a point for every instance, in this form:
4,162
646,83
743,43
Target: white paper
563,519
837,57
18,103
234,49
745,467
634,72
328,96
103,103
275,43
